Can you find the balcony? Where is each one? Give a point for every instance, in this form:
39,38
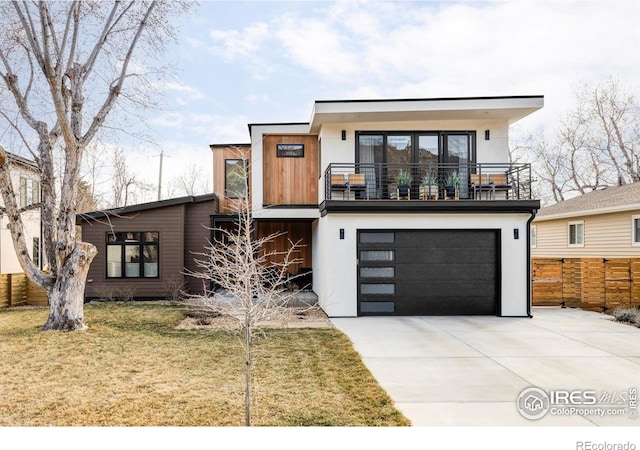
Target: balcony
437,187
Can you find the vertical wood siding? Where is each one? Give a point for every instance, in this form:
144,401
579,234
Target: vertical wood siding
219,156
290,181
294,231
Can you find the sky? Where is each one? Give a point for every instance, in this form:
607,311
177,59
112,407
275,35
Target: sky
242,62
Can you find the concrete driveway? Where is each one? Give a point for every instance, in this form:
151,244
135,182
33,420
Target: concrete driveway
470,370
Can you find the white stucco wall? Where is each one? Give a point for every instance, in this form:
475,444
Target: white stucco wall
335,265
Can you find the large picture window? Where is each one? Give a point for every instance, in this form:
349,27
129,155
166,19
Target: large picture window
235,178
133,254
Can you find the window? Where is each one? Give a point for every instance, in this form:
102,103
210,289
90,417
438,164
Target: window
29,192
377,238
576,234
132,254
635,230
236,178
377,255
36,251
534,236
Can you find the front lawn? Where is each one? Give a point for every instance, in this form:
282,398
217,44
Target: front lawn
133,368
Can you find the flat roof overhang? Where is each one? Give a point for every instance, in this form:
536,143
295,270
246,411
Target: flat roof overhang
429,207
511,108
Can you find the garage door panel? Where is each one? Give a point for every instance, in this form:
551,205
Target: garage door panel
445,271
436,272
444,288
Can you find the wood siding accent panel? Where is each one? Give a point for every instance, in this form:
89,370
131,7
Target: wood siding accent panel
294,231
290,181
605,236
168,221
596,284
219,155
197,234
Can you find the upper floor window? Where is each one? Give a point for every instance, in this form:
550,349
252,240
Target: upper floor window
635,230
29,192
576,234
236,178
133,254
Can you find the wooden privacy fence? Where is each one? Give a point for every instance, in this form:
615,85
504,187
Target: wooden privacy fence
591,283
17,290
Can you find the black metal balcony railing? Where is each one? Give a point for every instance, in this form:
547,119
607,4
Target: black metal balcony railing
451,181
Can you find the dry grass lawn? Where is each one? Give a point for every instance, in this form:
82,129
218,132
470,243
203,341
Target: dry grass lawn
133,367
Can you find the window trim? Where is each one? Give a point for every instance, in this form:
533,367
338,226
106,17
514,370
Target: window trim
122,245
533,236
226,167
634,242
569,224
415,136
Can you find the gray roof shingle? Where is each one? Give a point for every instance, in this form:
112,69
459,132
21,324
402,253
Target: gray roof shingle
610,197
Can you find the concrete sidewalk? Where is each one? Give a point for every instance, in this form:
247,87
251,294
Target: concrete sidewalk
470,370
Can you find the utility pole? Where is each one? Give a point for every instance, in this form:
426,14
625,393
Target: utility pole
160,175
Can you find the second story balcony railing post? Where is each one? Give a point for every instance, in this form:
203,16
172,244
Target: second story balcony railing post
429,181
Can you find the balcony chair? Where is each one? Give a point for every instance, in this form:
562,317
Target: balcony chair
357,183
338,184
500,182
480,183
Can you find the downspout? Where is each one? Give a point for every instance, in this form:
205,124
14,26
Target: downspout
529,299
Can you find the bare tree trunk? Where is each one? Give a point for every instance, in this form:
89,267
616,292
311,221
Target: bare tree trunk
66,297
247,374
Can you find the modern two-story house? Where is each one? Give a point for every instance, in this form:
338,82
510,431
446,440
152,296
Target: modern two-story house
405,207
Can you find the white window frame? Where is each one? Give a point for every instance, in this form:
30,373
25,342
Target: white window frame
576,222
533,236
634,242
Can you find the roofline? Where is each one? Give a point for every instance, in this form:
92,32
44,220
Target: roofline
212,146
146,206
22,160
251,125
587,212
390,100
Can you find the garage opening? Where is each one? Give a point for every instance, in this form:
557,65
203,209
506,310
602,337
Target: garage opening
428,272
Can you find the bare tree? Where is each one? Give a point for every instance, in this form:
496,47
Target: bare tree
192,181
254,283
596,144
63,67
122,179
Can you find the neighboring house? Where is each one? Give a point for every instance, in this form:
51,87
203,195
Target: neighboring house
404,207
25,176
144,249
601,224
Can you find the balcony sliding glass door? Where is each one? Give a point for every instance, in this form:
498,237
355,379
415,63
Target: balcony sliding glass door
382,155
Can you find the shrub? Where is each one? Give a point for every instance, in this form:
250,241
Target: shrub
627,315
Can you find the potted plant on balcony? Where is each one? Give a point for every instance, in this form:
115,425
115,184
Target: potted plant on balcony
403,180
429,188
452,184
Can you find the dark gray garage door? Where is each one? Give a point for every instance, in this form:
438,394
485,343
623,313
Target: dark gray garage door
428,272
